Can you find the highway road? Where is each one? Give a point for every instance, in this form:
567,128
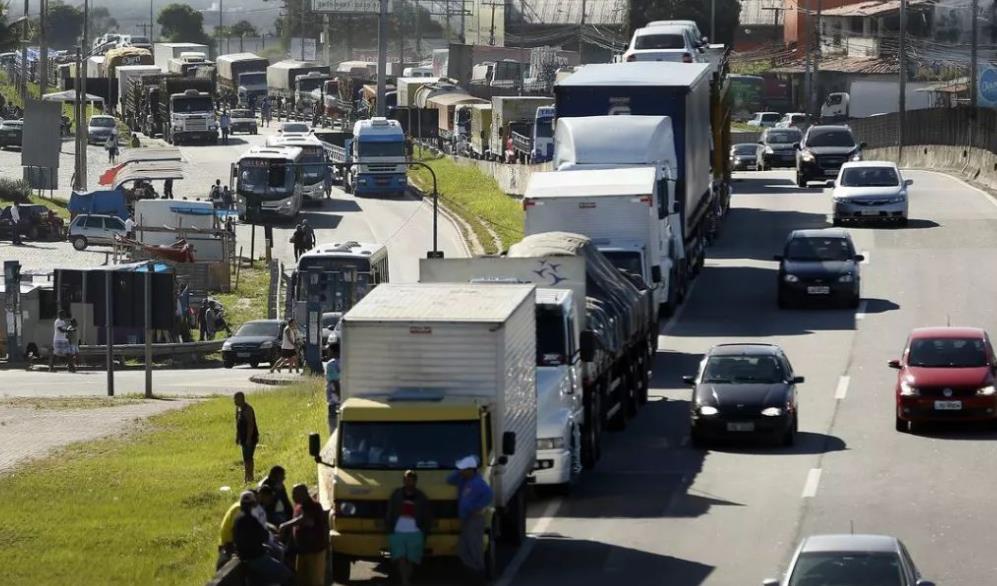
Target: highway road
657,511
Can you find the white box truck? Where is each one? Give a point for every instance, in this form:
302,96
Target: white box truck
162,53
432,373
126,73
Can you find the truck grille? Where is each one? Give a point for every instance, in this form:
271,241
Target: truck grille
381,168
196,125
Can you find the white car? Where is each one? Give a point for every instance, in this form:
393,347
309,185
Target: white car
87,229
294,128
765,119
664,43
792,120
870,190
701,39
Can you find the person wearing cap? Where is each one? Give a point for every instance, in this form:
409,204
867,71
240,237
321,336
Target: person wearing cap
310,530
226,539
251,539
473,497
409,519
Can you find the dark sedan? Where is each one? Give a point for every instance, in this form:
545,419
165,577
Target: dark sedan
10,133
819,265
742,157
777,148
744,390
823,151
37,223
255,342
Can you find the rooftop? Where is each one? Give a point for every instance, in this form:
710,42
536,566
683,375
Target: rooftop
638,73
742,349
853,543
819,233
871,8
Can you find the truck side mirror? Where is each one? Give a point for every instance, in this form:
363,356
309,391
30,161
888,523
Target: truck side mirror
656,274
314,445
862,145
509,443
586,345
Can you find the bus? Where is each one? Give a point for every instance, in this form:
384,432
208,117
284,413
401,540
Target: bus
336,276
268,183
315,159
747,93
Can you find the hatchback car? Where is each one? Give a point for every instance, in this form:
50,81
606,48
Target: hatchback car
823,151
89,229
100,128
743,390
664,43
819,265
254,342
332,329
874,560
792,120
243,121
870,190
945,374
777,148
764,119
743,156
10,133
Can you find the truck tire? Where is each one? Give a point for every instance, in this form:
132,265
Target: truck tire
340,569
592,430
513,529
631,399
618,420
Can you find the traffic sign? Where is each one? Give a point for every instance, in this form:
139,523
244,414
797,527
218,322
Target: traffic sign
349,6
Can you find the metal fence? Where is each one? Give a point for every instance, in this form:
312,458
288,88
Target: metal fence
933,126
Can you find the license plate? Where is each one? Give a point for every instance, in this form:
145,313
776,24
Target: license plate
948,405
741,426
242,354
819,290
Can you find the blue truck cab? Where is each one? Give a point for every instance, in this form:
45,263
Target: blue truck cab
378,153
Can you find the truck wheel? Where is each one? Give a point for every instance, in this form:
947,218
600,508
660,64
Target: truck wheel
514,519
340,569
618,420
644,376
633,391
592,430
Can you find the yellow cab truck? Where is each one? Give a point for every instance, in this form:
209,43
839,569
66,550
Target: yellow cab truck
431,373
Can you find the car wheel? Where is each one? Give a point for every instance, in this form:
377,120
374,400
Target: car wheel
33,233
79,243
836,221
801,180
254,363
854,302
901,425
781,301
696,438
229,362
341,569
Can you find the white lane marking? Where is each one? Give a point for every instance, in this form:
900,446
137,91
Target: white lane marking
867,256
860,310
842,390
813,482
549,512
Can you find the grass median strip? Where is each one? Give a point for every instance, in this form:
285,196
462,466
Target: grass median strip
475,197
249,300
145,508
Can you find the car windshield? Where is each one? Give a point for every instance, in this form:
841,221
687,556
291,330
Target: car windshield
819,249
744,149
763,370
329,320
295,128
783,136
948,353
830,138
394,445
258,328
851,569
869,177
770,117
658,41
102,122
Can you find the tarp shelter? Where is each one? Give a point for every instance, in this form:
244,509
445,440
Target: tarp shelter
137,156
70,96
147,170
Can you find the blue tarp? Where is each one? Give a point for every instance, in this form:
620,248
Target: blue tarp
107,202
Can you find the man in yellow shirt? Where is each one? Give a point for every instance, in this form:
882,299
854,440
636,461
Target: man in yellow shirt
226,533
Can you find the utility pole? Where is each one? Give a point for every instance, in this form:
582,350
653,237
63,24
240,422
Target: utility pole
713,21
815,79
974,56
24,54
382,56
400,7
418,31
43,49
301,28
446,11
902,98
152,24
581,25
219,35
327,45
809,71
491,29
79,175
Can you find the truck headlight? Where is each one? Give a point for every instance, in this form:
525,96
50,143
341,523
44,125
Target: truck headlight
346,508
550,443
791,278
908,390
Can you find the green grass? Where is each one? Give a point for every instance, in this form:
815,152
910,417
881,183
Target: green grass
475,197
59,207
249,301
145,509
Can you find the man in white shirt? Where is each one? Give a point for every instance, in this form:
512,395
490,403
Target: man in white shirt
129,227
289,342
60,342
15,218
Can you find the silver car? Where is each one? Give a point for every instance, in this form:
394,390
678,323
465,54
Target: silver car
100,128
851,559
89,229
870,190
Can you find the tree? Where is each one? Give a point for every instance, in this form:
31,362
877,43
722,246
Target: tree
64,25
101,21
728,15
182,24
243,28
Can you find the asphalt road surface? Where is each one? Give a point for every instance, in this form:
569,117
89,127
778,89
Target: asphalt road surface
657,511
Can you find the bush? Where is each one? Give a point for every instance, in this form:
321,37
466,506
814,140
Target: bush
14,190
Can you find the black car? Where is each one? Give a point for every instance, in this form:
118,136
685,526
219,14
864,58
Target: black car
10,133
823,151
742,156
819,265
37,223
744,390
777,148
255,342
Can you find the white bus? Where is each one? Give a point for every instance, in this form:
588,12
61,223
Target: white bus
338,275
268,179
315,159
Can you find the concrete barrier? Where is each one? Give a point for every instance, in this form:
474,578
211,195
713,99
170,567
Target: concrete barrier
970,163
512,179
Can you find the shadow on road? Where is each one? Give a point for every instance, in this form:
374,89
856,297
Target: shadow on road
912,224
321,221
754,233
760,185
807,443
879,305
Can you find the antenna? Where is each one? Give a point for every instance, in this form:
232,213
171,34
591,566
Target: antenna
948,320
851,526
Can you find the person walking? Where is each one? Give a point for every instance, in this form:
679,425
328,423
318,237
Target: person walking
210,321
130,227
215,193
15,223
332,393
60,342
225,123
297,240
473,496
408,519
112,147
168,189
227,198
310,531
327,183
290,339
265,111
308,240
247,434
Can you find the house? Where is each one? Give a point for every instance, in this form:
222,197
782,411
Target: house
870,28
760,24
798,16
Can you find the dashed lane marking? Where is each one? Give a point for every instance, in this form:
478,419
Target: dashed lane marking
812,484
842,391
860,310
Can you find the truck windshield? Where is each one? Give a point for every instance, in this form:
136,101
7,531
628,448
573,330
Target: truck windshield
625,260
545,128
381,149
253,78
435,445
307,85
192,105
551,344
268,178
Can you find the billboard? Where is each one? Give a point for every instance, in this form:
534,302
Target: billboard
987,86
349,6
41,142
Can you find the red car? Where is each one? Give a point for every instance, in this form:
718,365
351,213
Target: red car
946,374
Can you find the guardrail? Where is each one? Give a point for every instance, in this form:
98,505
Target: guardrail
177,350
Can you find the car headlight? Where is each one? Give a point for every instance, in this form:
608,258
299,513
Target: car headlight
550,443
839,199
790,278
908,390
897,199
772,411
846,279
737,159
708,410
346,508
212,126
227,345
266,345
857,157
768,150
807,156
987,391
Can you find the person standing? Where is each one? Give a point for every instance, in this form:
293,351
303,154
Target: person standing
310,529
308,241
210,321
327,182
168,189
112,147
15,224
130,227
297,240
73,333
247,434
60,342
332,393
290,339
278,511
473,496
226,198
409,518
265,111
225,122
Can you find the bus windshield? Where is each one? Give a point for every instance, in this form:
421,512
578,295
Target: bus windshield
268,178
313,158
